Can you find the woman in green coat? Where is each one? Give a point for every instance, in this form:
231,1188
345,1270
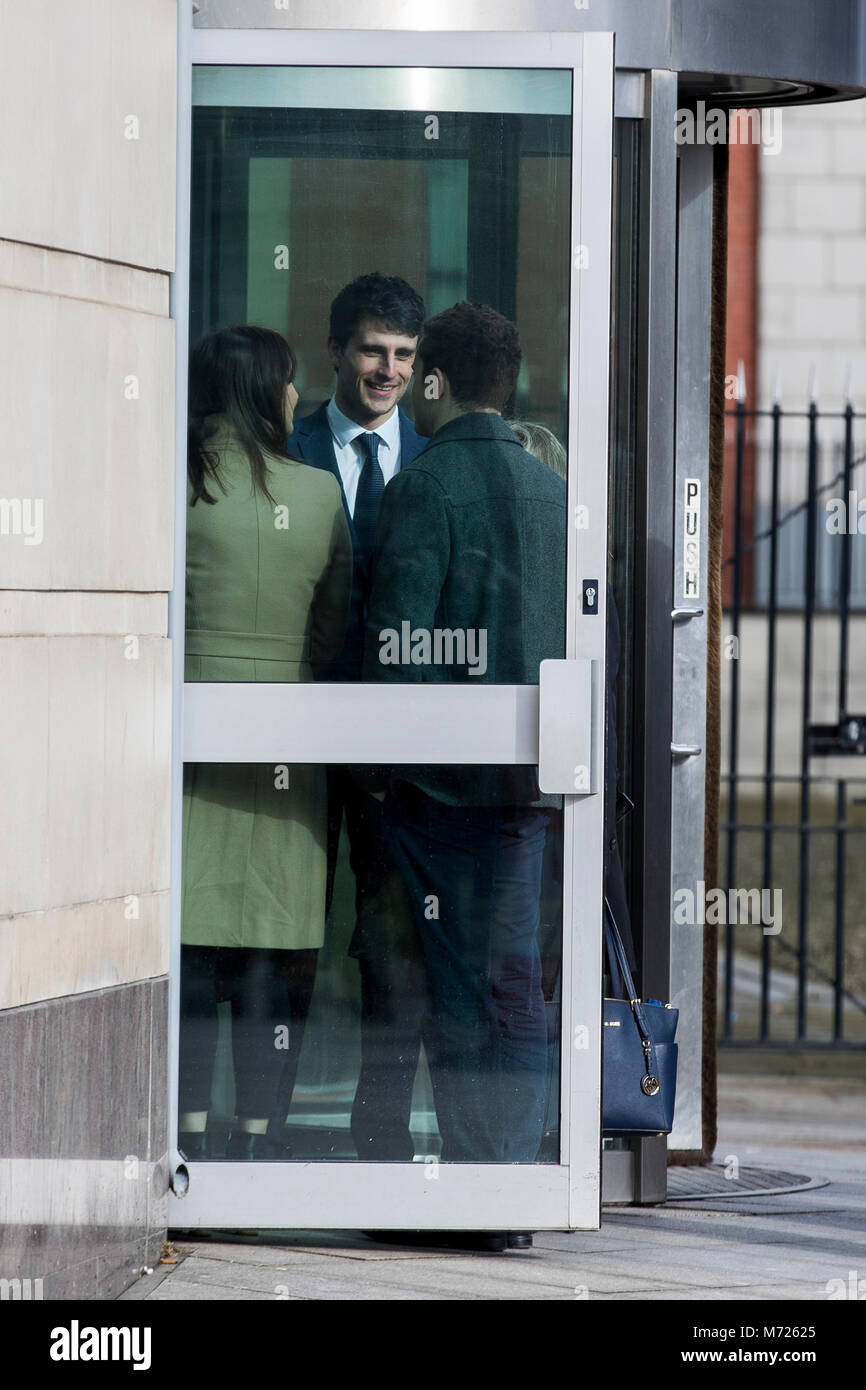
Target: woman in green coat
269,563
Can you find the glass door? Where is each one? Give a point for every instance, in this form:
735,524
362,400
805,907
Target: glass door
387,955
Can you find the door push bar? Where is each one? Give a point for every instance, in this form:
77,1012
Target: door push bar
685,750
566,694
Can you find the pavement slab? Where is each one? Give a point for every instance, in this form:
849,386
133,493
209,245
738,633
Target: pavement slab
748,1248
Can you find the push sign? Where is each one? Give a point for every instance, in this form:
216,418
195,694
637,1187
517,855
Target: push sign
692,538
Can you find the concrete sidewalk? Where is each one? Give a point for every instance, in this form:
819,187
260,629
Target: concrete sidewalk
756,1248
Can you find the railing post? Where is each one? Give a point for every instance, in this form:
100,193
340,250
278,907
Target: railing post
845,563
839,943
805,791
733,725
770,723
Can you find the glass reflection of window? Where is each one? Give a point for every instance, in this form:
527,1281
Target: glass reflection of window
292,199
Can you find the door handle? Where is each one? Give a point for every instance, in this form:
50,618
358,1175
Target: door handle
566,692
681,615
686,750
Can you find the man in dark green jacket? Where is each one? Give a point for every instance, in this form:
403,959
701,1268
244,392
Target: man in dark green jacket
468,584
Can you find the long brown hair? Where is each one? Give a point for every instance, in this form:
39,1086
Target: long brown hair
240,373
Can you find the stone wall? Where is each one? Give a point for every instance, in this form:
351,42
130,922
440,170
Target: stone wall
87,173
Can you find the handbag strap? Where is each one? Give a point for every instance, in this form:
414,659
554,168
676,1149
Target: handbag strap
620,973
621,977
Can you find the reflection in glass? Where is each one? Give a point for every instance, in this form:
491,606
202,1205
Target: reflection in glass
429,1018
292,199
267,595
468,574
420,1018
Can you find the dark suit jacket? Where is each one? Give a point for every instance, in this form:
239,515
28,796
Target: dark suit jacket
471,536
311,441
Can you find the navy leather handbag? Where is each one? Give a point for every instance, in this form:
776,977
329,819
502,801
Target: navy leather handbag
639,1052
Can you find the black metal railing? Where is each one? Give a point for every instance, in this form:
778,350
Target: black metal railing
803,987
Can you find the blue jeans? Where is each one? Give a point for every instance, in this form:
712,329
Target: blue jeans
473,877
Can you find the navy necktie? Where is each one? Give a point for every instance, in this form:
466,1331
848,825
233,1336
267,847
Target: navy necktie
371,485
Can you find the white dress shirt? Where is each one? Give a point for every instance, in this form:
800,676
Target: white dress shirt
350,458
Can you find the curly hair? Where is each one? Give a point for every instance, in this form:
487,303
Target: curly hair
477,349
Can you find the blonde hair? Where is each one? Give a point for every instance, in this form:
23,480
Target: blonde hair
540,441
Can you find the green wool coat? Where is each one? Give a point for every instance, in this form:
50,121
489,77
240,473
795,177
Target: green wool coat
470,539
267,599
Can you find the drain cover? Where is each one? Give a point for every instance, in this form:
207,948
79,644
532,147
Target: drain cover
712,1181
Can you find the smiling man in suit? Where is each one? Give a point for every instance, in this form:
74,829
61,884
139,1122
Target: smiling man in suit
361,435
363,438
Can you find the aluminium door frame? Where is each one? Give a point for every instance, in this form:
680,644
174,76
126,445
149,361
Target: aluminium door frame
554,1196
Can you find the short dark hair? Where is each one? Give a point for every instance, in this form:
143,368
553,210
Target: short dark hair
240,373
477,349
375,296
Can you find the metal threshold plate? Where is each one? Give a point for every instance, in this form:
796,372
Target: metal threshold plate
690,1184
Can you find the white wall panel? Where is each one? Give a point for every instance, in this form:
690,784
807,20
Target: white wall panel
84,807
70,950
86,399
70,176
